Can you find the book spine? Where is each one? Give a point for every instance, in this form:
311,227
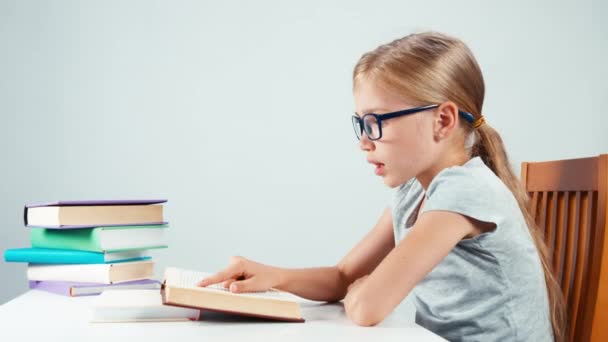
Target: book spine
53,256
105,214
77,273
78,239
59,288
67,256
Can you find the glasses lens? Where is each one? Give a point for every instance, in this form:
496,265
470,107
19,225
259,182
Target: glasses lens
371,127
357,126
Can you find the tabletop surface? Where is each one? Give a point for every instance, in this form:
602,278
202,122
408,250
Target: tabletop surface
49,317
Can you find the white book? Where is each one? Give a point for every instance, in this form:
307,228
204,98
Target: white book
92,273
75,215
137,306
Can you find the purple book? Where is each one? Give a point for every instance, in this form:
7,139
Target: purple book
91,203
74,289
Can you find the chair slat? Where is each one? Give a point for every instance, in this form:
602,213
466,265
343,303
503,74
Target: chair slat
560,237
543,214
587,220
534,205
582,264
572,237
551,222
574,300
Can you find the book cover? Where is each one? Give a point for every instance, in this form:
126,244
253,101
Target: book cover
97,202
88,203
76,289
68,256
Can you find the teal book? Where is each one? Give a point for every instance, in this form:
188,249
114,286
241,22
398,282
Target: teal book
101,239
68,256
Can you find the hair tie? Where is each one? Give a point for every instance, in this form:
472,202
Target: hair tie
480,121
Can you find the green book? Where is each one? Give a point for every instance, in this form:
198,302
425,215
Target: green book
101,239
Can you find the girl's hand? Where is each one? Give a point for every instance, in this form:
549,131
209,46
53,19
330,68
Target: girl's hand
243,275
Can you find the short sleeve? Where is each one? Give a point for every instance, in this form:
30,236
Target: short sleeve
470,190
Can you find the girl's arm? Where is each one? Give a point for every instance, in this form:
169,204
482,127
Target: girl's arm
320,284
431,238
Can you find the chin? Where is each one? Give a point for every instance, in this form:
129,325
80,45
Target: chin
391,182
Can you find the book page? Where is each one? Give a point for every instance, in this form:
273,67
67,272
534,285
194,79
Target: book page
187,279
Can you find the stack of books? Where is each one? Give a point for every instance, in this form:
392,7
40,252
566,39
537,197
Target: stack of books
84,247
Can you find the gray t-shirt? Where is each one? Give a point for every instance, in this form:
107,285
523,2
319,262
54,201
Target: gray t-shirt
490,287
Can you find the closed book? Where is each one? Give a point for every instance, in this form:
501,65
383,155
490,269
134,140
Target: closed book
137,306
86,214
179,289
101,239
69,256
93,273
75,289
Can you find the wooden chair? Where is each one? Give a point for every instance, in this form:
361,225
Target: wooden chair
569,200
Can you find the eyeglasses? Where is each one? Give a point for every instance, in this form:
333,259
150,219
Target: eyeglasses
371,123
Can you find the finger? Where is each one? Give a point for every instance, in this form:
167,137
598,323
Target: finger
248,285
230,272
227,283
217,278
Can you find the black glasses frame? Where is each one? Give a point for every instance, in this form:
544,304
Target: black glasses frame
359,126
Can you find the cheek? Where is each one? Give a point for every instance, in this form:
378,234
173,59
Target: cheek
405,144
407,154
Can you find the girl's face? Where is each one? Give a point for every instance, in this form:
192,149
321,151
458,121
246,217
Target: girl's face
407,146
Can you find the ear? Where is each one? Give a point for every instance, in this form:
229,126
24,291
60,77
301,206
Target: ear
446,119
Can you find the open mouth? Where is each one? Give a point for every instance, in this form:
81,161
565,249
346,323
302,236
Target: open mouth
379,169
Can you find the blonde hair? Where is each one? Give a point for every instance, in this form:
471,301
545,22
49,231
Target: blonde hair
432,68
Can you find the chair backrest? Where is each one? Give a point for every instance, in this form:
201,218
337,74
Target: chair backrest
568,201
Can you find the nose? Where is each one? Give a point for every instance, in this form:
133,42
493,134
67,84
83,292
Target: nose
365,144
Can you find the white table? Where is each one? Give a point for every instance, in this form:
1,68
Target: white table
41,316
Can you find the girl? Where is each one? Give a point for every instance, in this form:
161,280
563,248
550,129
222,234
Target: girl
458,233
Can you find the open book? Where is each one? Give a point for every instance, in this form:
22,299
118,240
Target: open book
179,289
